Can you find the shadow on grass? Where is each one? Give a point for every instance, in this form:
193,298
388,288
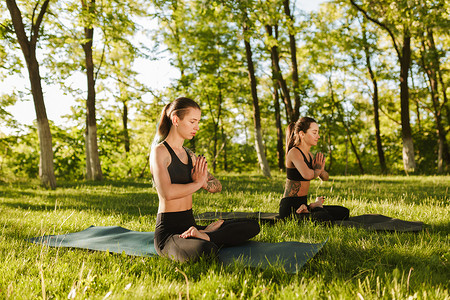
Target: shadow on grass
116,183
382,258
135,201
251,184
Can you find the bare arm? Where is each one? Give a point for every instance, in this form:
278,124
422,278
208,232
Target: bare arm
324,175
212,184
159,160
319,165
297,160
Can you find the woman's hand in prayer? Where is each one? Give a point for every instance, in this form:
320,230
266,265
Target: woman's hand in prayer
319,162
200,170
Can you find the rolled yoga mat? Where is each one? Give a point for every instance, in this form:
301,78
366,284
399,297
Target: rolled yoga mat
374,222
289,255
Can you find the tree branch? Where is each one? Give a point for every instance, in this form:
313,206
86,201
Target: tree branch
16,18
35,27
382,25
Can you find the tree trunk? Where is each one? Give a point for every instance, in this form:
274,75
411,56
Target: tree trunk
346,155
216,126
349,138
404,57
293,48
279,76
409,162
276,101
256,114
330,151
280,148
355,151
93,168
46,171
376,116
431,66
126,135
346,126
225,161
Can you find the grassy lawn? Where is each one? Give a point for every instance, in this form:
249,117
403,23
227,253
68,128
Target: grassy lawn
354,264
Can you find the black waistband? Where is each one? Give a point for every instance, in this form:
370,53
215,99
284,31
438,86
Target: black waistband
173,220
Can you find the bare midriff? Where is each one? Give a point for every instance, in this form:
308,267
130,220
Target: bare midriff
295,188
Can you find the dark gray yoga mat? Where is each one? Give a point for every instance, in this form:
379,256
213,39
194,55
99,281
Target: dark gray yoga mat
289,255
381,223
374,222
261,216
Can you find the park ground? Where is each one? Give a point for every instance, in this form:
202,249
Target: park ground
354,264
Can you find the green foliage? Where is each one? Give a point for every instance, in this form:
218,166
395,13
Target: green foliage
354,263
205,43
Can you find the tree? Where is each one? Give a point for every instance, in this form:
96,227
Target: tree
293,49
28,46
276,100
256,113
433,14
90,39
375,100
430,64
398,25
93,167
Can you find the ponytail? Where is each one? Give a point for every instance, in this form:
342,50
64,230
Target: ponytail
290,139
164,124
179,107
293,130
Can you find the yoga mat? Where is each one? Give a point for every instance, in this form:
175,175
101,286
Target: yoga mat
381,223
289,255
368,221
261,216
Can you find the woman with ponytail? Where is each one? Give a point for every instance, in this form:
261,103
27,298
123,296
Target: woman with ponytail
177,174
300,169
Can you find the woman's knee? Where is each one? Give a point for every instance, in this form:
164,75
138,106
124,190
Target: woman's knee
253,227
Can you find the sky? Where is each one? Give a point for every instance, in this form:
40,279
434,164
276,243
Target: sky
155,74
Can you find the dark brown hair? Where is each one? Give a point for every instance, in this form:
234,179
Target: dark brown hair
178,107
293,130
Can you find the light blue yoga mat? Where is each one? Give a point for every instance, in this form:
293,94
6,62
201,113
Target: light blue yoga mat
290,255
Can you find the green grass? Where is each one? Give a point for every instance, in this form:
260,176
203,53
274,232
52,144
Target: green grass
354,264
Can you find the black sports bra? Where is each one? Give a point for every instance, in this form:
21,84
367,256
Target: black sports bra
294,174
178,171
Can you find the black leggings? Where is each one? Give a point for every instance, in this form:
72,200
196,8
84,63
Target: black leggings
170,225
289,205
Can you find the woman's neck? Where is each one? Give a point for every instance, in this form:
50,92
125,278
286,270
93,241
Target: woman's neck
174,140
305,147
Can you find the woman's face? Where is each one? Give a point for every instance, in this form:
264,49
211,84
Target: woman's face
189,125
311,137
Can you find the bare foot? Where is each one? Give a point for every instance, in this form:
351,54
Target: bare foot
213,226
318,203
303,209
195,233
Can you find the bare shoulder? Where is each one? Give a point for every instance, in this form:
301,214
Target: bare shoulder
160,154
159,150
293,155
293,152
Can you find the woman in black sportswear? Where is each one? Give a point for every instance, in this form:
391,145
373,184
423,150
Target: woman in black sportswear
177,174
301,167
